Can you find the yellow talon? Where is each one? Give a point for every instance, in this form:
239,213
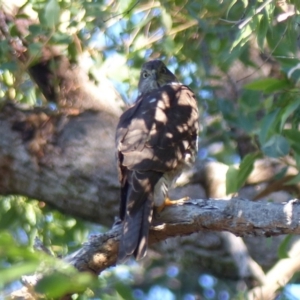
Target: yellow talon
169,202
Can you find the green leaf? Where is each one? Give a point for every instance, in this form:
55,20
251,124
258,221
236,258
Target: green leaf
139,42
227,109
268,103
242,37
288,110
262,30
294,180
236,177
4,47
229,7
14,253
125,6
124,290
35,49
30,214
245,168
72,51
251,100
14,272
8,219
19,260
59,284
294,73
231,180
166,19
283,247
293,135
267,124
281,173
276,146
297,159
36,29
268,85
11,66
296,3
52,13
61,38
54,285
168,45
246,121
8,77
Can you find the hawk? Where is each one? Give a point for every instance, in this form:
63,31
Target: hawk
155,139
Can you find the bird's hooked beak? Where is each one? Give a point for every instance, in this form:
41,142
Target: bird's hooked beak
154,75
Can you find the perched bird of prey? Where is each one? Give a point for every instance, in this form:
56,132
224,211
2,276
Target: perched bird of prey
155,139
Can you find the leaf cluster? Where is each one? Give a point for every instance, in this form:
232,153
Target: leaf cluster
240,58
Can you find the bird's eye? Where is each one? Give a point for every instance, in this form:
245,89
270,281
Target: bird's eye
164,70
145,74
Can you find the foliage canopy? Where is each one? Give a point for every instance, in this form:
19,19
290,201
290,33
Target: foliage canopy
240,57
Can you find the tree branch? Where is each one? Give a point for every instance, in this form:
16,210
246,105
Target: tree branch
247,267
238,216
64,160
278,276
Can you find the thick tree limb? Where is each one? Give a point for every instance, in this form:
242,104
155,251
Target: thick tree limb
212,175
238,216
278,276
64,160
247,267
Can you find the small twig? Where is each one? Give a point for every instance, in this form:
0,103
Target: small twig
124,13
257,11
233,85
38,245
286,57
229,21
136,31
183,27
267,59
174,31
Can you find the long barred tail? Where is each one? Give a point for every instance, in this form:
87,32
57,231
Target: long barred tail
134,240
138,215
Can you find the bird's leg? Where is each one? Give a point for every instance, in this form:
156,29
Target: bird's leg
169,202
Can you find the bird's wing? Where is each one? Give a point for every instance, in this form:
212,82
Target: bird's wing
156,132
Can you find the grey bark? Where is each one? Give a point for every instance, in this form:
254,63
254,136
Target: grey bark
70,166
238,216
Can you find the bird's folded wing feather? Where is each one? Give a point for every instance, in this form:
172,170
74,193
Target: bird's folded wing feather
155,132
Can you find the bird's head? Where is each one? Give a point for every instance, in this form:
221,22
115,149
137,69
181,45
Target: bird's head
154,74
